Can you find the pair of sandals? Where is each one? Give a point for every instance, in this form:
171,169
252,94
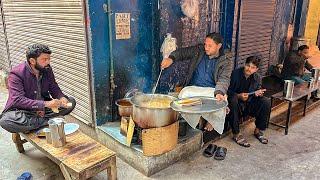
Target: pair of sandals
243,142
219,153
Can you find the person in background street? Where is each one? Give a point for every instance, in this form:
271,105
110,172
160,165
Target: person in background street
294,65
245,97
33,93
208,67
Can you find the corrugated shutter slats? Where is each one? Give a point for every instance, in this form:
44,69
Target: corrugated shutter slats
59,24
4,61
255,31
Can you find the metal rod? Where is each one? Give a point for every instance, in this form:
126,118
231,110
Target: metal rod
112,82
155,86
288,118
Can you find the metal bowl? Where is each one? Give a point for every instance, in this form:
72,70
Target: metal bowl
124,107
151,117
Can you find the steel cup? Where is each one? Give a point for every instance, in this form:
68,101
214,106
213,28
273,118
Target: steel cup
58,137
48,135
315,75
311,83
288,88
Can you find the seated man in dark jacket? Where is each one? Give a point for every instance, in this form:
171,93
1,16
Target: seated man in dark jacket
34,95
209,66
245,97
294,64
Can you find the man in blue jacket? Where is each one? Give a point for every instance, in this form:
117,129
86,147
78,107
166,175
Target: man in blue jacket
209,66
245,97
33,93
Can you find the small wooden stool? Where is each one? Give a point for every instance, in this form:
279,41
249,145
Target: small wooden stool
81,158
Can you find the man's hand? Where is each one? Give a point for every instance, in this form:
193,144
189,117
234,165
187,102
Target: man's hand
221,97
41,113
208,127
166,62
243,96
64,102
227,110
54,103
260,92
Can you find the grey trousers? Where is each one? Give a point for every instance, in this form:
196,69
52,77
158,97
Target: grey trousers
16,121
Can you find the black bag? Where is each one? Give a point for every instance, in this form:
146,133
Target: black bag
275,70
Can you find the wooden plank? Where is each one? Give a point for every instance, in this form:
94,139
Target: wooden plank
65,172
18,142
80,154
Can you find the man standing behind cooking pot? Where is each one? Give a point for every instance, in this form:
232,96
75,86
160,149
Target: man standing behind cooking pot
209,66
33,93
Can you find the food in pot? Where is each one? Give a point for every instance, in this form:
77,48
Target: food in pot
157,103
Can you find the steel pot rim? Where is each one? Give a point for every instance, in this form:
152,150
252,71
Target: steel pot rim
124,99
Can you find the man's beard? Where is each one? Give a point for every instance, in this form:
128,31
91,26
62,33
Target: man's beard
42,69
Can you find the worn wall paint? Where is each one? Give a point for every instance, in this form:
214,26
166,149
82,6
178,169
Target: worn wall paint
133,57
99,46
300,17
227,22
187,33
282,18
313,21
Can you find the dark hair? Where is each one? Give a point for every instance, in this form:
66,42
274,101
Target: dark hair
303,47
35,50
217,38
254,60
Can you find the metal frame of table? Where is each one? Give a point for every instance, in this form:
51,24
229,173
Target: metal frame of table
300,91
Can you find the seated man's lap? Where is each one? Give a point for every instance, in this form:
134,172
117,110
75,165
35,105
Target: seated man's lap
21,121
259,106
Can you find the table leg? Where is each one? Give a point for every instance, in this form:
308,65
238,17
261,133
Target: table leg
18,142
270,111
305,105
112,169
65,172
288,117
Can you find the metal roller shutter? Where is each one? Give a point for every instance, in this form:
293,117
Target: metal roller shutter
255,31
4,60
59,24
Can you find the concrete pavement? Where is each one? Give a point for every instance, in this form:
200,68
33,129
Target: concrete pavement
295,156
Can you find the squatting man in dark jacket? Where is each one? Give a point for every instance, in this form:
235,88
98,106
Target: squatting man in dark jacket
33,93
208,67
294,65
245,97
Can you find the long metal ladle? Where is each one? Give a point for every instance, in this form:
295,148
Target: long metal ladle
155,86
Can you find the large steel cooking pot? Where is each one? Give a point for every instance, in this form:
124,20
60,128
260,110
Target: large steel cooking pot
153,110
124,107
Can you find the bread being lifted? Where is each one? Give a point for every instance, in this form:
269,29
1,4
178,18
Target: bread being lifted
189,102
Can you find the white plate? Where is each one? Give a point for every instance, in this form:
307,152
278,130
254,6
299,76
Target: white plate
70,128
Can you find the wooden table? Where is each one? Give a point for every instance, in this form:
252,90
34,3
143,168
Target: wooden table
81,158
300,91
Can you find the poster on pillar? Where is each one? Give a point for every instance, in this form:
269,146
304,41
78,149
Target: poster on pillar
122,22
